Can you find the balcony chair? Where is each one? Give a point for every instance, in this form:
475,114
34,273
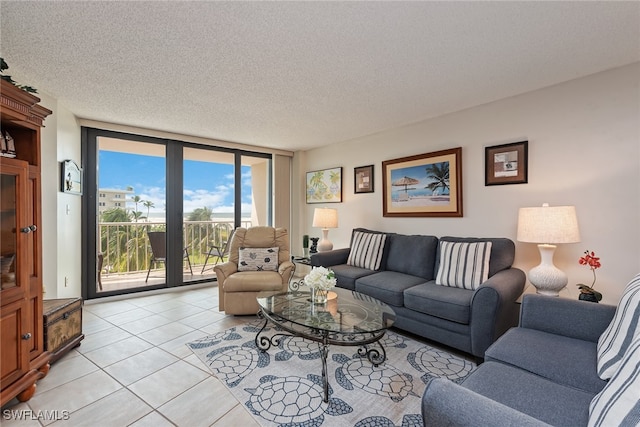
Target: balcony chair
158,242
218,252
253,267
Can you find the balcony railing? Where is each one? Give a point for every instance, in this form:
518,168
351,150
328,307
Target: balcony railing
125,247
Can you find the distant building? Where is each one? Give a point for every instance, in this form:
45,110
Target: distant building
109,198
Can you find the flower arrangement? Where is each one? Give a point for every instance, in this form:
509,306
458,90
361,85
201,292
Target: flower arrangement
320,278
593,262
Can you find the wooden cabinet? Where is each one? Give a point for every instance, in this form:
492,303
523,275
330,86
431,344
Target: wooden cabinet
24,360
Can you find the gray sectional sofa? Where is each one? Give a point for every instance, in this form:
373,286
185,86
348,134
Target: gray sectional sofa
546,371
465,319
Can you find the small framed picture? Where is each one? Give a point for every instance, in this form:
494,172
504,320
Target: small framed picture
71,178
363,179
506,164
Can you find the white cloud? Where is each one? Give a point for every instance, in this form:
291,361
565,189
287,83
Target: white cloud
220,200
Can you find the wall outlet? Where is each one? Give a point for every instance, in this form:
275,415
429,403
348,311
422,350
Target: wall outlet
66,281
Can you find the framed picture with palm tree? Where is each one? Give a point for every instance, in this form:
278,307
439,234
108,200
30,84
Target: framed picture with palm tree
427,184
324,186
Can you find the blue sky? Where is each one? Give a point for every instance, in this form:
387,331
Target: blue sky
205,184
415,172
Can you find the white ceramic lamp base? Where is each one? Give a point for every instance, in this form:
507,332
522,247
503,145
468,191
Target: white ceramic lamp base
546,277
324,244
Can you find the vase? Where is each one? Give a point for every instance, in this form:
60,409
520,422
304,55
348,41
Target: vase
587,297
319,296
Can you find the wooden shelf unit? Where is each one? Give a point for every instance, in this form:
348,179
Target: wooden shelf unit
24,360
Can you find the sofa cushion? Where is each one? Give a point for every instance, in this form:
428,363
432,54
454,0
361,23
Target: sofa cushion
618,403
387,286
624,327
548,401
367,250
463,264
452,304
445,403
253,281
561,359
347,275
258,259
502,251
413,255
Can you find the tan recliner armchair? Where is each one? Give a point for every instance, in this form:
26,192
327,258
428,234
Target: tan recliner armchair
238,289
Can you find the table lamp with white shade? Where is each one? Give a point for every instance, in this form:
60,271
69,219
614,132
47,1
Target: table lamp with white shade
325,218
548,226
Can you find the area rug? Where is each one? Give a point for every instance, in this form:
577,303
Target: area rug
283,386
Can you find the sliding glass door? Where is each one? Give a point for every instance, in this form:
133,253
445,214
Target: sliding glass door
157,213
209,206
131,214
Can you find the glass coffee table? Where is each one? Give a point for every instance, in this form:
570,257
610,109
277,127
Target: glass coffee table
348,319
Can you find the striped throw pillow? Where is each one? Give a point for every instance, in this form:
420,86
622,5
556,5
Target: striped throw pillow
624,327
366,250
617,404
463,264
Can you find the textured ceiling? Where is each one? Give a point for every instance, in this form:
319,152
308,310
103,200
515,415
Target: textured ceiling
294,75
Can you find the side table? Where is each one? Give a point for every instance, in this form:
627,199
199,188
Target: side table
296,281
564,293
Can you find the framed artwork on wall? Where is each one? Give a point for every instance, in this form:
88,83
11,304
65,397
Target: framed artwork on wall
71,178
324,186
363,179
426,185
506,164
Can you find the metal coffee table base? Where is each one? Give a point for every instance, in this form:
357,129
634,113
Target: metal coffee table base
324,338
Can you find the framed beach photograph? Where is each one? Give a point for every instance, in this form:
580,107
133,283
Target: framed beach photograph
71,178
324,186
506,164
363,179
426,185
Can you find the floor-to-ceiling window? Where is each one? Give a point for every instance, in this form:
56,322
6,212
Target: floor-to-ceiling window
156,211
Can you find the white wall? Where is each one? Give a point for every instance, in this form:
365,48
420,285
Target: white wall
61,234
584,150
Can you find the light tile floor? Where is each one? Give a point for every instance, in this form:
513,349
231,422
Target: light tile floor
134,369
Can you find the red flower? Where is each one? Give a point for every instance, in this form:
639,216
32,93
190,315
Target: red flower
593,262
590,259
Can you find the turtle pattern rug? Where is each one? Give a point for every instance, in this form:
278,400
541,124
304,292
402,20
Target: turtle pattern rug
283,386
